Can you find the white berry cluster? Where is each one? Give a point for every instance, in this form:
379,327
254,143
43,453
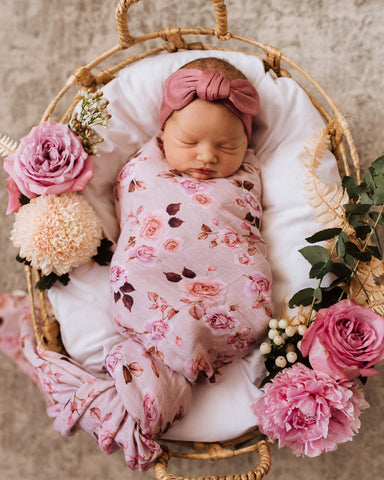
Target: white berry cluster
284,342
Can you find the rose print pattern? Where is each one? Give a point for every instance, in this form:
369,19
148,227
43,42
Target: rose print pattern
189,253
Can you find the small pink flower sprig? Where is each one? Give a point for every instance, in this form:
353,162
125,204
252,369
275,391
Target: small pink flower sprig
55,228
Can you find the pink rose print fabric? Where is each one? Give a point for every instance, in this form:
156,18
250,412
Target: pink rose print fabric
119,409
190,282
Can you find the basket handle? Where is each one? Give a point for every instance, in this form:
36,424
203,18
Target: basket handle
126,39
216,452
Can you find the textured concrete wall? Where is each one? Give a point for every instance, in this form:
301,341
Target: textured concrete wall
340,42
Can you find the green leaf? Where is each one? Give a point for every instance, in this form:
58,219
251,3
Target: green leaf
325,234
320,269
315,254
47,281
378,165
378,197
353,250
350,184
318,294
375,251
330,297
340,246
104,253
22,260
23,199
349,260
341,270
357,208
379,181
303,297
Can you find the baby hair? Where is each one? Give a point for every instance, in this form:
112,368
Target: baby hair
226,69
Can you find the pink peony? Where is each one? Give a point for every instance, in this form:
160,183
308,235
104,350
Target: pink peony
345,341
49,160
309,411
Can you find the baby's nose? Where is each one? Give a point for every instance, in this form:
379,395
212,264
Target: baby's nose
207,153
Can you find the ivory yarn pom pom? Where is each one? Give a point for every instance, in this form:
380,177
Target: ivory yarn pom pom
56,233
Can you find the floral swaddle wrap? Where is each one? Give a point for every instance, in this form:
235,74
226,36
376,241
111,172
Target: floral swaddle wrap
190,282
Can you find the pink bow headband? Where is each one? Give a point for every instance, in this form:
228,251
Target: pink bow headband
185,85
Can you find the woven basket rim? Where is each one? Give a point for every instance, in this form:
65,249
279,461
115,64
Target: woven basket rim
46,328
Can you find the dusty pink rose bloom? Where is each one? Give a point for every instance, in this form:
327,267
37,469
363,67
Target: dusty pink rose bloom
118,274
49,160
151,410
345,341
219,321
143,253
193,186
309,411
203,289
259,285
202,199
152,228
171,245
253,204
230,238
157,329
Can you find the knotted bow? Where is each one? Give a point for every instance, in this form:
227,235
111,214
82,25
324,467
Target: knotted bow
185,85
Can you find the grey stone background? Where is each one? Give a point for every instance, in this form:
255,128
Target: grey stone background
340,42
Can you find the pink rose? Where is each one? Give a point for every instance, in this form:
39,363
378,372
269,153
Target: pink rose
203,289
345,341
244,259
230,238
202,199
219,321
253,204
171,245
117,274
49,160
259,285
158,330
193,186
151,412
308,411
152,227
143,253
112,360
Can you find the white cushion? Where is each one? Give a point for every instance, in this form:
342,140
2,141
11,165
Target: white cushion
287,119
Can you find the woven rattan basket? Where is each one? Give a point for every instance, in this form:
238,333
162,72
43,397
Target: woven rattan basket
171,40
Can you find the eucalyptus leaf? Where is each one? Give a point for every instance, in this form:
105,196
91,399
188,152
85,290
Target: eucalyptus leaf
357,208
320,269
315,254
350,184
325,234
303,297
352,249
378,165
341,270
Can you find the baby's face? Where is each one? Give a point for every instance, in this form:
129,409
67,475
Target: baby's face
205,140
